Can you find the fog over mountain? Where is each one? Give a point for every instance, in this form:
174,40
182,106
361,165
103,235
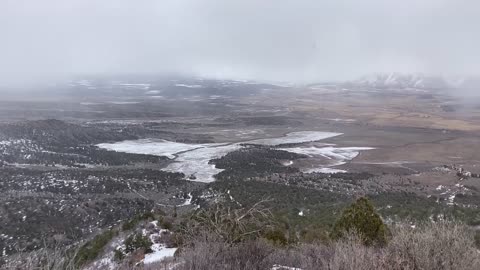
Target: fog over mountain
298,41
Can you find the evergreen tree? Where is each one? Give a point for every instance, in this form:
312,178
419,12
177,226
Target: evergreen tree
361,218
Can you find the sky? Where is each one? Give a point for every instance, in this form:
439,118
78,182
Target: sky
271,40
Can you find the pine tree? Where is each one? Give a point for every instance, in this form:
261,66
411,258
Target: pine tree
361,218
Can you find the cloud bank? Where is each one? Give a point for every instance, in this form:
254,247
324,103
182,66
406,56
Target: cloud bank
276,40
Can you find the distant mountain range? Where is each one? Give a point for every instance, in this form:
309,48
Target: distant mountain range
415,81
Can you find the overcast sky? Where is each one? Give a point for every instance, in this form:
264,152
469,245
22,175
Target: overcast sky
289,40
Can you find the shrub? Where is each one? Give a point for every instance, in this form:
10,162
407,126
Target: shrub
165,223
90,250
314,235
130,224
118,255
276,236
229,225
434,246
207,255
138,241
441,245
361,218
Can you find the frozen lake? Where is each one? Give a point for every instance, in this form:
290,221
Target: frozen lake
192,159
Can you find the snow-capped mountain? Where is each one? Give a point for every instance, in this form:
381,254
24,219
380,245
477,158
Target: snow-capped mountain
401,81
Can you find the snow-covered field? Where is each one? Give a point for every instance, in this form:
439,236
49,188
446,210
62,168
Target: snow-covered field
296,137
195,162
152,147
192,159
336,156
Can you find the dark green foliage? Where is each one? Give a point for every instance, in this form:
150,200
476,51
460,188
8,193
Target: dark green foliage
276,236
285,201
165,223
90,250
129,225
253,161
361,218
137,241
118,255
410,206
314,234
477,239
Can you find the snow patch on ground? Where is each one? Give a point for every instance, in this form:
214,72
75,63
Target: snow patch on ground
336,155
153,92
159,253
188,201
188,85
192,159
281,267
123,102
296,137
287,163
195,162
151,147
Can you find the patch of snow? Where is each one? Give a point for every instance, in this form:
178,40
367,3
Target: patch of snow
144,86
188,85
341,120
296,137
151,147
123,102
188,201
288,163
451,198
281,267
152,92
195,162
300,213
160,253
324,170
192,159
336,155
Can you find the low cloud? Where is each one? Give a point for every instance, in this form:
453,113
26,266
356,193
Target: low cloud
286,40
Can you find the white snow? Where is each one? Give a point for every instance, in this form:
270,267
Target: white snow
288,163
123,102
188,85
296,137
341,120
188,201
159,253
153,92
451,198
324,170
192,159
300,213
336,156
144,86
151,147
195,162
281,267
